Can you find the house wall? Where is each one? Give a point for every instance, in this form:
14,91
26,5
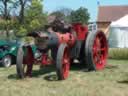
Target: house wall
104,26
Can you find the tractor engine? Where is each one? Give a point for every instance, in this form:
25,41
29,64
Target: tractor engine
47,40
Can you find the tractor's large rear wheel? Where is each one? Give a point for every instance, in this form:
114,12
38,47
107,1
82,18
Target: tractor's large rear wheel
24,62
96,50
63,62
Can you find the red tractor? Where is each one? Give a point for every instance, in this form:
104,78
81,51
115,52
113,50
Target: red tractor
89,48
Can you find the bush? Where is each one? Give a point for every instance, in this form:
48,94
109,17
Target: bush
118,53
28,40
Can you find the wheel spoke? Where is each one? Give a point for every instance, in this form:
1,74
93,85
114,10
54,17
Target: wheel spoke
104,49
98,42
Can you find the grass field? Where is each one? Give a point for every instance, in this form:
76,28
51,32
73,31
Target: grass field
113,81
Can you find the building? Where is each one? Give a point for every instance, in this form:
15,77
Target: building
107,14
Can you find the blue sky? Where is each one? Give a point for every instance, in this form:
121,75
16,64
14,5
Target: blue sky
91,5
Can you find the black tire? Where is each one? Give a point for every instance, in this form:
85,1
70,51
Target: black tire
59,63
19,63
7,61
88,50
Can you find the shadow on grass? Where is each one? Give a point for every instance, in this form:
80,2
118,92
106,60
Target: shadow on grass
13,76
48,69
124,79
123,82
52,77
43,70
36,73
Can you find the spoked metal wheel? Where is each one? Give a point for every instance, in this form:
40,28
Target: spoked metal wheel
63,62
96,50
24,62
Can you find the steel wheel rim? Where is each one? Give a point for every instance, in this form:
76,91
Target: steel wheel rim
65,63
99,51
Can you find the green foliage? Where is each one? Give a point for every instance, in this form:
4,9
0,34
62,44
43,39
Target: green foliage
21,31
35,18
80,15
6,27
118,53
6,24
35,24
2,24
35,10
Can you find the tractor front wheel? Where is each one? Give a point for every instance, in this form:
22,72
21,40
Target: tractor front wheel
24,62
63,62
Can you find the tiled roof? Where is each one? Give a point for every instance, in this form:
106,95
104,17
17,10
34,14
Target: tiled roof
111,13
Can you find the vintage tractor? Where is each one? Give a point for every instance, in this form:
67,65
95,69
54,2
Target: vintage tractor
88,48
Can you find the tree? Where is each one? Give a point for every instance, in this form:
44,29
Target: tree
63,14
80,15
5,8
30,16
6,22
22,4
34,18
22,9
65,11
58,14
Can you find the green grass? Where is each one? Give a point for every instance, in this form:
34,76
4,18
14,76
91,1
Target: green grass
112,81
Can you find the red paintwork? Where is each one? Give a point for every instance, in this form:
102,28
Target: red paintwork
81,31
67,38
100,49
45,60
